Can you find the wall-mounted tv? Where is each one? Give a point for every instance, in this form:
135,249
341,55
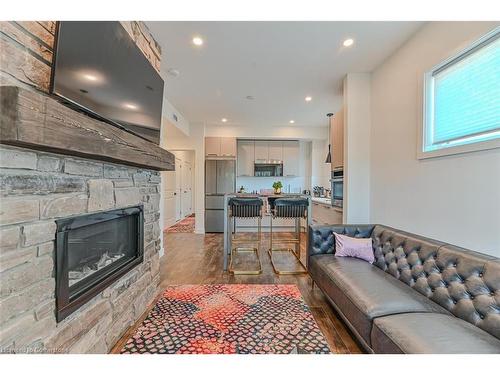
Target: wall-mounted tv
98,68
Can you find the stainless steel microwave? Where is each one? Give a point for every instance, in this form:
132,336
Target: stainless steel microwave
268,170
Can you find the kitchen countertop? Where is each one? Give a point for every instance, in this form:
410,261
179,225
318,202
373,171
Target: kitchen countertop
327,201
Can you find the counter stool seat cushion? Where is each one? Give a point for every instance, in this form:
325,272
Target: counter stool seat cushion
291,202
290,207
239,201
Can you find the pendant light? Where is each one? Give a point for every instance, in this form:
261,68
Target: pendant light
329,156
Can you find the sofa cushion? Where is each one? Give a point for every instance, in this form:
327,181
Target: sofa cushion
364,292
430,333
464,282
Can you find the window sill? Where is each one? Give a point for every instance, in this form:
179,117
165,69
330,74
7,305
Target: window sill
459,149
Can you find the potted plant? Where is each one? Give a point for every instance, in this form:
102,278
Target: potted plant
277,187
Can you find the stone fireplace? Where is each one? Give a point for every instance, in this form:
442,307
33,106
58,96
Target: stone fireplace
42,194
79,209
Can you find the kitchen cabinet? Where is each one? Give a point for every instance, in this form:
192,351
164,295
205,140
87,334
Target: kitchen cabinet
337,140
275,151
228,146
212,146
290,158
324,214
261,151
246,157
220,147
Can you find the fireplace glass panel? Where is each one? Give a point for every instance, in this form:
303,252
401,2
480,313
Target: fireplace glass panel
96,247
94,250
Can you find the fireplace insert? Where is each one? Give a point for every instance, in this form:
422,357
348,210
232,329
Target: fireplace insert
94,250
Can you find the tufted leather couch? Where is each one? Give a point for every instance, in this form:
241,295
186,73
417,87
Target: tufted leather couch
419,296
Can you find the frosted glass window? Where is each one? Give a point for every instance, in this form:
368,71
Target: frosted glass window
463,98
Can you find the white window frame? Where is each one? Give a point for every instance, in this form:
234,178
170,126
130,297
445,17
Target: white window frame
428,110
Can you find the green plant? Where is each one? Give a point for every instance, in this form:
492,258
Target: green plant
277,185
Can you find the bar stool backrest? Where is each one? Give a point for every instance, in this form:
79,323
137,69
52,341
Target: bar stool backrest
245,207
291,207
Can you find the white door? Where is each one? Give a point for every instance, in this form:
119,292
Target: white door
169,198
178,189
186,189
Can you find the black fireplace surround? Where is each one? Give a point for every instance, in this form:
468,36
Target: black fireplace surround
94,250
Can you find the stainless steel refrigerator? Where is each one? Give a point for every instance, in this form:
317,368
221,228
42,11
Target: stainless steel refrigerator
220,179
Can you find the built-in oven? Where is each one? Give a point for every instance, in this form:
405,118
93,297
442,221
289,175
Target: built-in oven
337,183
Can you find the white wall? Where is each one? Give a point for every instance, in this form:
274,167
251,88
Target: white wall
182,135
454,199
263,132
195,142
169,112
320,171
357,132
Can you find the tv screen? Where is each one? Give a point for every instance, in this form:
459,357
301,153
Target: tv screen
100,69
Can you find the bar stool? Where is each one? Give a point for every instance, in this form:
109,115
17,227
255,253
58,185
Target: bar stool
288,208
245,208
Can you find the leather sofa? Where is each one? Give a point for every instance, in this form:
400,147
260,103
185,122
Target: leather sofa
419,296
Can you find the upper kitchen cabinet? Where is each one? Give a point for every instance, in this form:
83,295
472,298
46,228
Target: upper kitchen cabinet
337,140
212,146
275,152
228,146
268,152
290,158
220,147
246,157
261,151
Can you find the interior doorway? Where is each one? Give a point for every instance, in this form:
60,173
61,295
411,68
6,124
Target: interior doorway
177,197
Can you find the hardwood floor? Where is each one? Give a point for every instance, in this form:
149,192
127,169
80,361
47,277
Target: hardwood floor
197,259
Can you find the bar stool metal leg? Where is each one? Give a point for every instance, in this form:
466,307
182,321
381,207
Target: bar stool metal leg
246,249
296,252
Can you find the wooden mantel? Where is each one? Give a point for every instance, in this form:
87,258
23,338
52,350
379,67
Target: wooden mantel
34,120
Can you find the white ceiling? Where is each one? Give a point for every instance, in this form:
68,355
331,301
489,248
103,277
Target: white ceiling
279,63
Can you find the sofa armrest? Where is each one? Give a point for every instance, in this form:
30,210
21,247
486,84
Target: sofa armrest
322,241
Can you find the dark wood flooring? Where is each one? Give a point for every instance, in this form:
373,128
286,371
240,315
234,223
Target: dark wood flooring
197,259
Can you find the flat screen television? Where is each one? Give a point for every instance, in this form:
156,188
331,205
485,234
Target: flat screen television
99,69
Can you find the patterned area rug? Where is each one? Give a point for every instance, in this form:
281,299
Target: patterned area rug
239,318
184,226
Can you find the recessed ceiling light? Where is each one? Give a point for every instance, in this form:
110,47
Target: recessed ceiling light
197,41
308,98
224,120
292,121
348,42
130,106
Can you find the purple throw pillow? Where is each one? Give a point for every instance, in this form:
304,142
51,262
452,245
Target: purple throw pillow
361,248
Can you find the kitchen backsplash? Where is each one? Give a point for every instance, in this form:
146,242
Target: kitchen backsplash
290,184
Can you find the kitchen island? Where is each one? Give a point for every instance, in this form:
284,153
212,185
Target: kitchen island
266,215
